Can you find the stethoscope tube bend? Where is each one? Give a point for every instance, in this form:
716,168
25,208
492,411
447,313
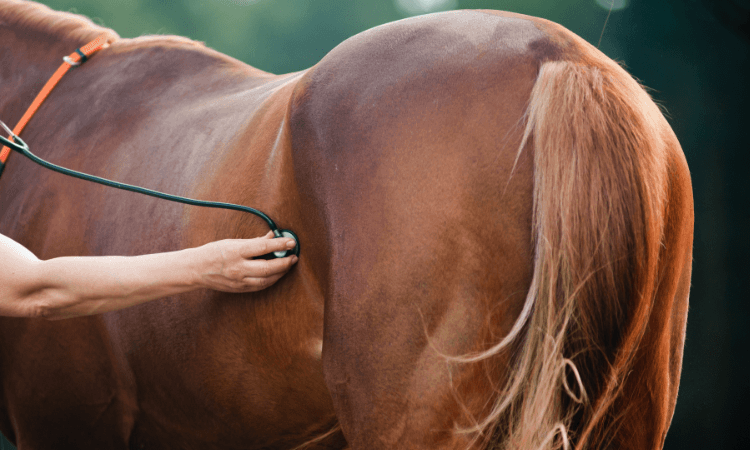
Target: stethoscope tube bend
21,147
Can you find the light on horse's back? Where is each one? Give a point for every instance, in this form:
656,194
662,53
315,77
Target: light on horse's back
496,222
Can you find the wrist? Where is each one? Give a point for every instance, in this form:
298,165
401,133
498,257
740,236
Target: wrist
198,261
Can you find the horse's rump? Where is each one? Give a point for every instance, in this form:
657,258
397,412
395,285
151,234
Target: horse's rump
431,205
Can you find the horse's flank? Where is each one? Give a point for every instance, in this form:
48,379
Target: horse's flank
425,238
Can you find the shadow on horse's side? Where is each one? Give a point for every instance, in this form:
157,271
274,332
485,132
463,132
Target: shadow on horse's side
495,222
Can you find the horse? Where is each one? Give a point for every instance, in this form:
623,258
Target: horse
495,222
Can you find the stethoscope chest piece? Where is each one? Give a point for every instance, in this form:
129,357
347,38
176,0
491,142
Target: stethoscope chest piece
287,234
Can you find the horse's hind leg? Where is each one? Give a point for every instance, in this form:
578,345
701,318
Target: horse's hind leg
382,379
390,385
399,306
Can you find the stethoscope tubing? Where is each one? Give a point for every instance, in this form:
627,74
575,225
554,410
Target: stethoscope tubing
21,147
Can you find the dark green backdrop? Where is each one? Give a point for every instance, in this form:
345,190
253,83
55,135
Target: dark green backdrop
693,53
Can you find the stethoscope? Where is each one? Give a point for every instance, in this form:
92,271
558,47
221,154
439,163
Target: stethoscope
21,147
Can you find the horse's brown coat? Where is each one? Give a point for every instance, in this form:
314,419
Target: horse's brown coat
394,159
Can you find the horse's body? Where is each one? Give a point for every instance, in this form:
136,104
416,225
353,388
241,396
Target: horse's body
396,161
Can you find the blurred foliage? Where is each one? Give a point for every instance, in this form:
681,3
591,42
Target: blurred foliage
691,53
281,36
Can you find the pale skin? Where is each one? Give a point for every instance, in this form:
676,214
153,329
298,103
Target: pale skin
65,287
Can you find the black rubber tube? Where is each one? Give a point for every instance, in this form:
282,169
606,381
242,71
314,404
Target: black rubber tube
21,147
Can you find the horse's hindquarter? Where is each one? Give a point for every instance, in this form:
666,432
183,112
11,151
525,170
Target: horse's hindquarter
201,368
406,138
395,161
415,127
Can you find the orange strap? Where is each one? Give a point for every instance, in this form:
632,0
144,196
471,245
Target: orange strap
76,58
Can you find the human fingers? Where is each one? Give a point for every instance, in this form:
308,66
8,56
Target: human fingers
251,284
261,246
261,268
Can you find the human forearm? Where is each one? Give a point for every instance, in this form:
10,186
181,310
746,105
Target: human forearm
74,286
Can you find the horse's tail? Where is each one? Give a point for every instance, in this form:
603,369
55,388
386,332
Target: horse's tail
594,351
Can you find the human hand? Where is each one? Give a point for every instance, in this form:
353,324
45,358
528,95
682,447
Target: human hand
228,266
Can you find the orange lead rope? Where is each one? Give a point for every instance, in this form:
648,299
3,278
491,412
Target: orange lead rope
76,58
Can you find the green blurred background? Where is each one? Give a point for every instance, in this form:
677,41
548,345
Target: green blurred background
692,53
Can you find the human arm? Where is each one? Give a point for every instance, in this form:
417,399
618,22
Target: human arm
75,286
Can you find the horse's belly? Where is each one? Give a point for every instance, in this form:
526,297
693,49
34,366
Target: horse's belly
63,385
228,371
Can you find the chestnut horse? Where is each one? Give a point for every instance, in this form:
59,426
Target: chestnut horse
495,222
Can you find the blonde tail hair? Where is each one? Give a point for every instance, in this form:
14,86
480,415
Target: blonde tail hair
599,177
